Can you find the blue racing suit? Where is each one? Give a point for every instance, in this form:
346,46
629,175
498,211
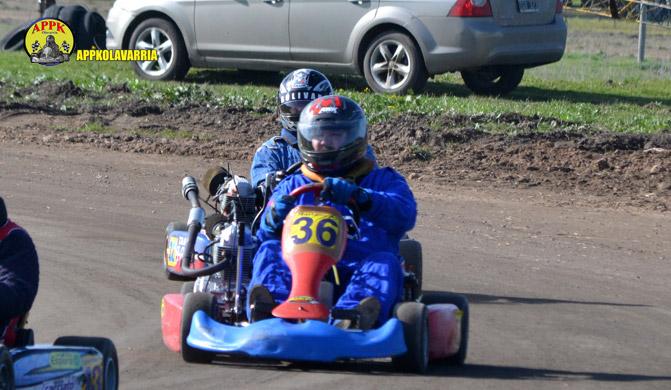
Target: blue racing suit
19,272
370,265
278,154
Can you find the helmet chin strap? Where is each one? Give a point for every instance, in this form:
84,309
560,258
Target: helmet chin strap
356,172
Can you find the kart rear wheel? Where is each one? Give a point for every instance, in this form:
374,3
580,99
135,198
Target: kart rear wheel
411,251
6,369
192,303
460,301
414,316
187,287
106,347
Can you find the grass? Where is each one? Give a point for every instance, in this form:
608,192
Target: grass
589,90
94,127
589,24
171,134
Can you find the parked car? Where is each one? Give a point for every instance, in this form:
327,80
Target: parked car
396,45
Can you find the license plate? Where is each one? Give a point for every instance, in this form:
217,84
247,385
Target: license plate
527,6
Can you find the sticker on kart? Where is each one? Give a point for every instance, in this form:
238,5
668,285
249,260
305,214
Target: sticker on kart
315,229
174,247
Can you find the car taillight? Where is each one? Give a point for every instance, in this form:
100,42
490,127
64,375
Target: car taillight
471,8
560,7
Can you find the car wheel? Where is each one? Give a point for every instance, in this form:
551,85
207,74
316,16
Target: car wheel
394,64
106,347
414,317
6,369
162,36
460,301
493,81
192,303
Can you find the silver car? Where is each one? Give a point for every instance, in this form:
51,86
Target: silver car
395,44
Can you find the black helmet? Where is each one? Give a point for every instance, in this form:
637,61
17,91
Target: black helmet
332,134
298,89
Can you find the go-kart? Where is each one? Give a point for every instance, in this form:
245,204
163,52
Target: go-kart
71,362
203,322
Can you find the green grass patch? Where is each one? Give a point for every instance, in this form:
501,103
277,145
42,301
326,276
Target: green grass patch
172,134
95,127
586,23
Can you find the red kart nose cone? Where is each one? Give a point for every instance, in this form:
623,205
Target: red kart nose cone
301,308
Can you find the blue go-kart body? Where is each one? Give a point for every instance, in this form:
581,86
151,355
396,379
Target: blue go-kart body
311,340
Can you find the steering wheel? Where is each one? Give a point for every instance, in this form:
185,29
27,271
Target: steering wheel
316,189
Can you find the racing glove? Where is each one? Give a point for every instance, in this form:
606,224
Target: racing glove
278,210
340,191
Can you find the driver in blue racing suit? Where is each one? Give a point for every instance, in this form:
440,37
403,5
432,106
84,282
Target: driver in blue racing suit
332,138
278,153
19,270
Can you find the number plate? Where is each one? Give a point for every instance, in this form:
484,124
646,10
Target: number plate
527,6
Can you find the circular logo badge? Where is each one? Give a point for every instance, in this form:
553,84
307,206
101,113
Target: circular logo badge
49,42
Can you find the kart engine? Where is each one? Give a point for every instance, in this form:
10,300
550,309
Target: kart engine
234,245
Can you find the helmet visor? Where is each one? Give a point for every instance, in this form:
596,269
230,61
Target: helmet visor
331,135
292,110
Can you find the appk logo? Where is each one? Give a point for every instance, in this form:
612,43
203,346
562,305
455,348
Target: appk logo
49,42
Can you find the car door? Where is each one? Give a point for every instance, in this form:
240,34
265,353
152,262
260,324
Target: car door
319,30
252,29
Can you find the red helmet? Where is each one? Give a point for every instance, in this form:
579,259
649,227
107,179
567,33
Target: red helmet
332,134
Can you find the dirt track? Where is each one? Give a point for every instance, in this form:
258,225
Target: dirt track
563,296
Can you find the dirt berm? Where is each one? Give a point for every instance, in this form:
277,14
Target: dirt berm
608,168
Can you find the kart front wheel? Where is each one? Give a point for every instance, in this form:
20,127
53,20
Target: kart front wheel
415,319
106,347
6,369
192,303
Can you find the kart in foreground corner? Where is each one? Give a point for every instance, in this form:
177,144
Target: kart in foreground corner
70,362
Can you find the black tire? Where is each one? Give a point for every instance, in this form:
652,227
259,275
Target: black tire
6,369
411,251
52,11
187,287
192,303
73,15
178,62
172,226
411,57
493,81
106,348
25,337
95,26
13,40
414,316
460,301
